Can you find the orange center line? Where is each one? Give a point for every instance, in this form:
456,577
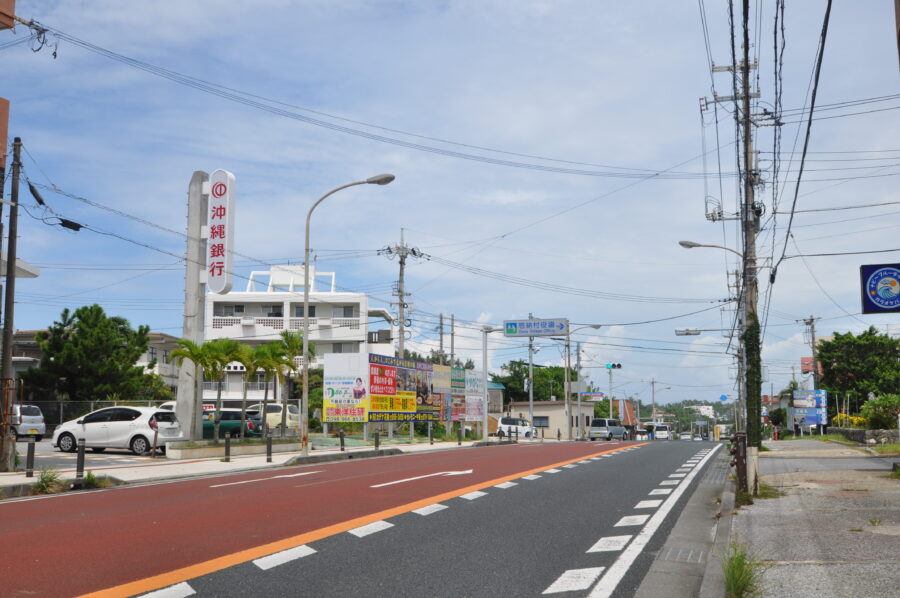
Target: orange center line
169,578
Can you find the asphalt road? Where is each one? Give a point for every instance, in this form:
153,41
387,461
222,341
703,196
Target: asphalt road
527,519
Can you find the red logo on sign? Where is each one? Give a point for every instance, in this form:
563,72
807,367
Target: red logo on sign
219,189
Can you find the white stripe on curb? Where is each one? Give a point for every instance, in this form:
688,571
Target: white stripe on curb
285,556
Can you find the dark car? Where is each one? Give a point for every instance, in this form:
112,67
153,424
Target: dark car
230,424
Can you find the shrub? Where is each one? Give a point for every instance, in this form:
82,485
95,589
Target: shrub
48,482
853,421
881,412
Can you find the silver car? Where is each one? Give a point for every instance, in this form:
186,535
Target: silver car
134,428
28,420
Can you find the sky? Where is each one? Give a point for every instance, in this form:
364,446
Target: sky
549,155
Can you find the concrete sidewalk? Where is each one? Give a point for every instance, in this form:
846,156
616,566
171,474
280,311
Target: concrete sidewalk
16,484
834,532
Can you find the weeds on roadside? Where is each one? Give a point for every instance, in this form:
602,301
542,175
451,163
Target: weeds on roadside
92,481
895,474
855,529
767,491
874,521
743,499
48,482
743,573
888,448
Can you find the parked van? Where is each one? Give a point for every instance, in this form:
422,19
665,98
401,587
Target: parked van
28,420
606,429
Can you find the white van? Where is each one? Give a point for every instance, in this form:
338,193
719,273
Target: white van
28,420
662,432
515,427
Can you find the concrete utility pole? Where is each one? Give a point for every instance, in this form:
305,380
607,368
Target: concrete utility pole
811,323
7,443
6,370
190,390
441,335
452,338
653,398
402,252
531,379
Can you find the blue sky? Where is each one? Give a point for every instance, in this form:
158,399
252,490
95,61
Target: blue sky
610,90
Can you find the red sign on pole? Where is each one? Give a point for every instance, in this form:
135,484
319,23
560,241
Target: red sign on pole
220,222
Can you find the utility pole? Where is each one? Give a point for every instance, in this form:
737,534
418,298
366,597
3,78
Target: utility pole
653,398
7,444
402,252
811,323
531,382
441,327
452,338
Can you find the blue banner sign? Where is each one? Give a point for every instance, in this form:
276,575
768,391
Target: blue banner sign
880,288
808,399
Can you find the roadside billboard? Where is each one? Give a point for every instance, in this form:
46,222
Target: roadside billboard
345,392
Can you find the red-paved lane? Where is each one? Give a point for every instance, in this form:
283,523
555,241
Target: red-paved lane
76,543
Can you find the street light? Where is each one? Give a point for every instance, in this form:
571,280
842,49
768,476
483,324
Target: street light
380,179
692,244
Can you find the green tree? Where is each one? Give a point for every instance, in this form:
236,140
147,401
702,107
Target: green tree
88,355
293,348
272,359
881,412
247,358
219,353
861,364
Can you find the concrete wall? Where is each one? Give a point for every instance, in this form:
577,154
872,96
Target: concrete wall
866,436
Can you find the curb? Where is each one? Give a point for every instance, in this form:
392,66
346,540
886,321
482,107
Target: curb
300,460
713,584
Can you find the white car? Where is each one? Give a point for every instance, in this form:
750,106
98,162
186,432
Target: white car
515,427
131,428
685,436
27,420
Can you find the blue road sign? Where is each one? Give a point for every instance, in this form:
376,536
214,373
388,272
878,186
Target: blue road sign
723,398
536,327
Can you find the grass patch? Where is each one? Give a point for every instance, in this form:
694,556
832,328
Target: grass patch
48,482
888,448
874,521
855,529
764,449
767,491
895,474
743,499
743,573
92,481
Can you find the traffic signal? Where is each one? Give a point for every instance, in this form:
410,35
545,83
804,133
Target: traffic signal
613,366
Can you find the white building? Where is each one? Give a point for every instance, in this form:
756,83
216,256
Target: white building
704,410
339,321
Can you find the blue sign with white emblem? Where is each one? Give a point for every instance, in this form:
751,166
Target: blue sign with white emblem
880,288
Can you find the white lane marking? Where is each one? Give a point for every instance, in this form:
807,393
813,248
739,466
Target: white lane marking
648,504
274,477
505,485
683,469
430,509
372,528
594,458
473,495
658,491
610,544
285,556
669,483
575,579
632,520
570,466
179,590
531,477
610,581
585,461
554,470
677,475
421,477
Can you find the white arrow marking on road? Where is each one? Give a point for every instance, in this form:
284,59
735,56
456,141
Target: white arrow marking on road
430,475
275,477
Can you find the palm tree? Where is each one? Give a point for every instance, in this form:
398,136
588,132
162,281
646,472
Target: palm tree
196,355
220,352
247,358
293,345
270,360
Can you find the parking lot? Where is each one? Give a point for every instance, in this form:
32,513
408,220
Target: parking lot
46,456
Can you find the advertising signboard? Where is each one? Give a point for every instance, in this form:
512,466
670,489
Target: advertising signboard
880,288
220,232
345,393
808,399
536,327
392,387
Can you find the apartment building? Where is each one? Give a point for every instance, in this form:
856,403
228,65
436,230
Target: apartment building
339,321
